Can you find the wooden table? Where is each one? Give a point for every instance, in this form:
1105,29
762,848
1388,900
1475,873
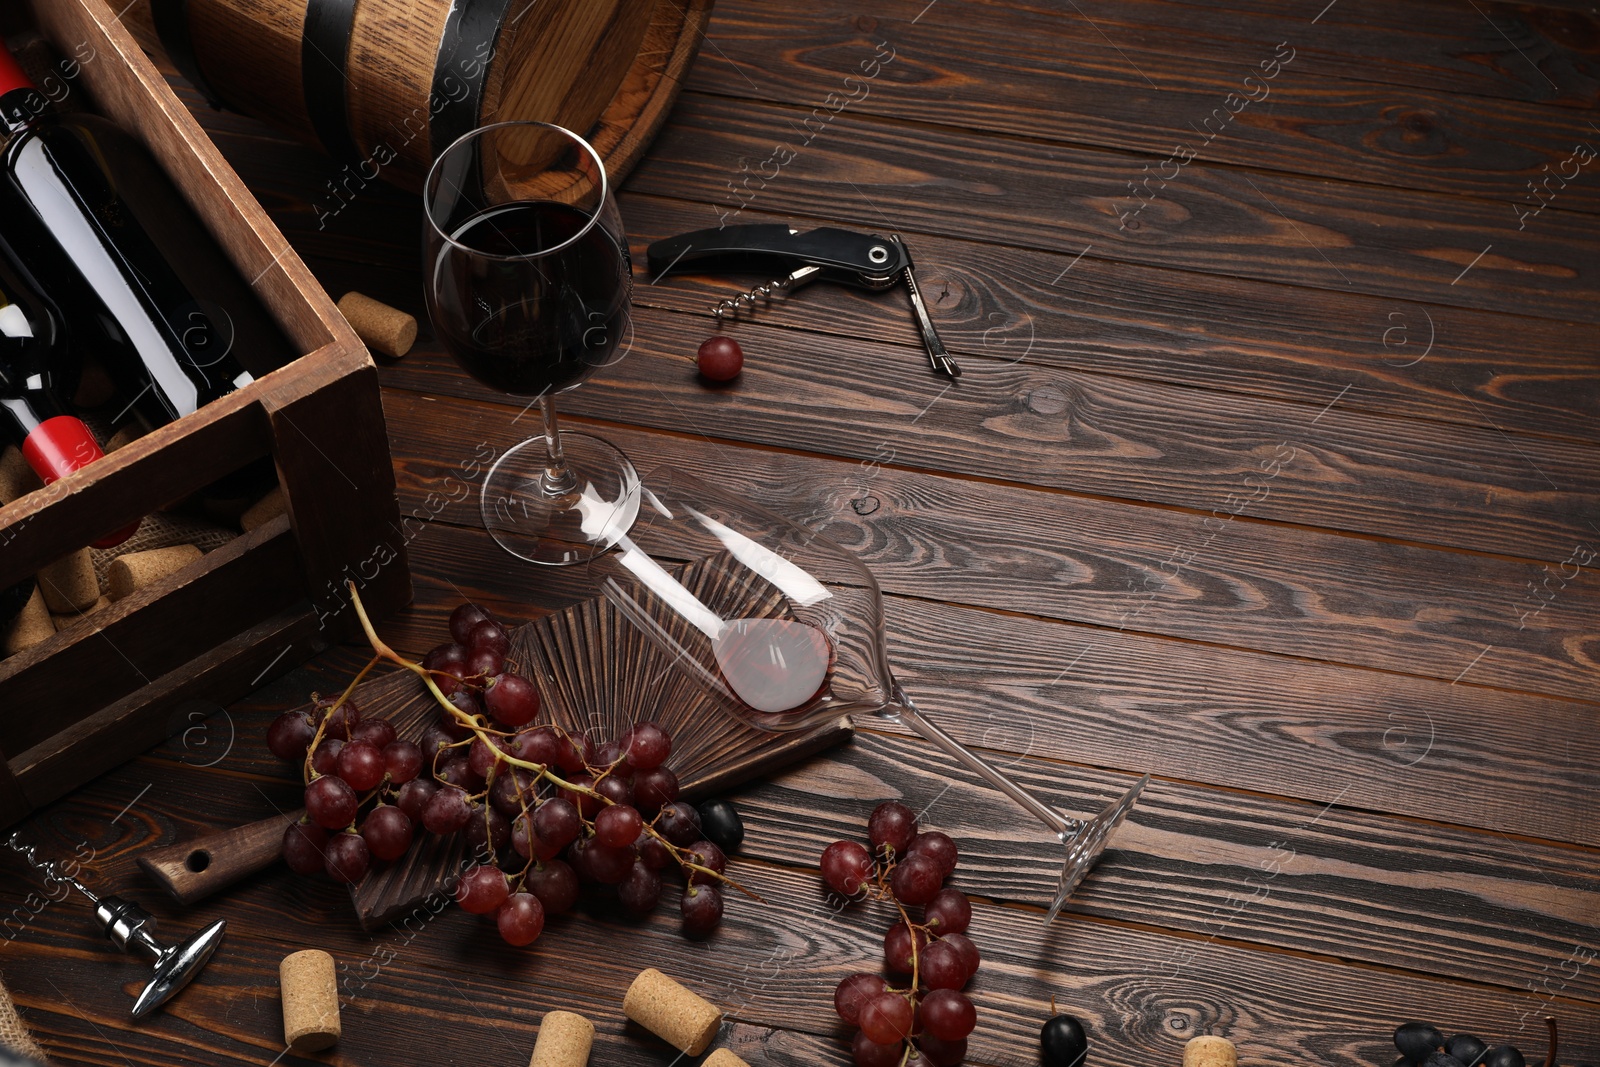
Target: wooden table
1273,472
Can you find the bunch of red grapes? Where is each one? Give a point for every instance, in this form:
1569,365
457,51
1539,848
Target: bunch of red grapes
566,814
924,1022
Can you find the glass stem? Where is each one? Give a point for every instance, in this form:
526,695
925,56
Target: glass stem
558,477
1062,826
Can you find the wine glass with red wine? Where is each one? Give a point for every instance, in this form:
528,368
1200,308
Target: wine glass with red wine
528,284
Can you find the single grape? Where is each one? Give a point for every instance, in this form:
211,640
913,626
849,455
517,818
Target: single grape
915,1058
305,845
378,733
897,947
648,746
487,831
678,823
490,635
1416,1041
1502,1056
616,790
578,855
707,855
588,806
482,889
940,966
654,854
361,766
402,760
290,735
969,951
943,1053
348,858
459,772
388,832
523,835
947,1014
936,846
720,359
608,865
520,919
853,992
436,742
869,1053
721,823
512,699
448,810
1466,1048
511,789
612,756
949,912
325,760
846,867
331,802
470,704
618,826
341,719
1063,1042
640,891
414,796
915,880
541,745
701,909
482,757
891,826
887,1017
449,662
654,789
556,886
485,663
575,753
557,823
464,618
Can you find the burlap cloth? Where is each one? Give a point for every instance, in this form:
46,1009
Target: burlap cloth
13,1035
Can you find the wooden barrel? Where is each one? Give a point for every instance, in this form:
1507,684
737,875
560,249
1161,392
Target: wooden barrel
385,85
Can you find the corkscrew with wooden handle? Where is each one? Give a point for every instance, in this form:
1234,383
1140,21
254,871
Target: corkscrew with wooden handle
863,260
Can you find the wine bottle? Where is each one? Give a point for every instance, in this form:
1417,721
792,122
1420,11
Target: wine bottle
34,375
142,286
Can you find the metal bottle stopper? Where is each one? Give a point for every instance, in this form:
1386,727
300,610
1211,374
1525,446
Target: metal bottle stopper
129,927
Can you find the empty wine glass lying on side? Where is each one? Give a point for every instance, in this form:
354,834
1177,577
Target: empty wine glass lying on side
782,627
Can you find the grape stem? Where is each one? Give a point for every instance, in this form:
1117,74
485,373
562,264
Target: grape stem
383,651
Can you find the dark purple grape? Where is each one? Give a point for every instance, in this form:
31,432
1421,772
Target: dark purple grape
556,886
482,757
388,832
305,846
361,765
940,966
290,735
331,802
655,789
458,772
588,806
891,826
402,760
520,919
487,831
541,745
449,660
721,823
640,891
708,855
701,909
378,733
485,663
947,1015
648,746
610,756
1417,1041
482,890
915,880
949,912
855,991
325,760
348,858
846,867
618,826
448,811
679,823
414,796
950,1053
969,951
938,847
557,823
608,865
869,1053
575,753
887,1017
489,635
512,699
897,947
436,742
469,704
511,789
616,790
341,720
653,854
464,618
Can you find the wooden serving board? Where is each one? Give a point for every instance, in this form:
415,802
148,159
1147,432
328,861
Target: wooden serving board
595,673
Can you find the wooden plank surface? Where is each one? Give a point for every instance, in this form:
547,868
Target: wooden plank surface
1287,496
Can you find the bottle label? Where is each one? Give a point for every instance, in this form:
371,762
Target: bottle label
59,446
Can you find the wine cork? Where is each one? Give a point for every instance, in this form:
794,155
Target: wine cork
139,569
69,584
723,1058
16,477
64,621
1209,1052
310,1000
564,1040
127,435
264,510
32,625
684,1020
389,330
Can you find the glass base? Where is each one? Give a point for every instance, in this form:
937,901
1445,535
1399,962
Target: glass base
534,523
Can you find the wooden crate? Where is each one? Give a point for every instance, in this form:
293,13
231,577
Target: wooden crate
94,695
